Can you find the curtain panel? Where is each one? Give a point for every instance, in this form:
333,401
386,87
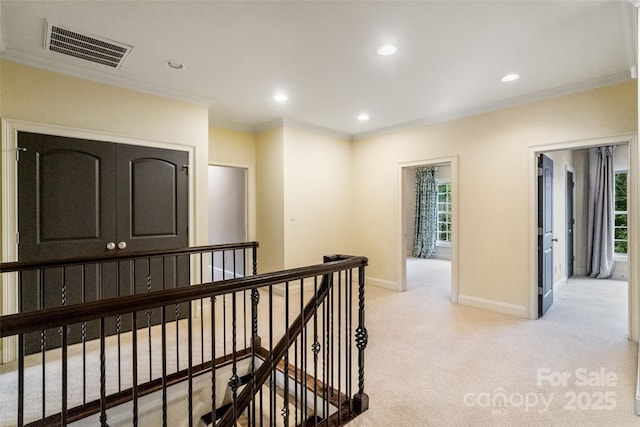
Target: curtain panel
426,218
600,218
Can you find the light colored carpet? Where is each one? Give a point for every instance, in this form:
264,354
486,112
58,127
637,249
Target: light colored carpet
433,363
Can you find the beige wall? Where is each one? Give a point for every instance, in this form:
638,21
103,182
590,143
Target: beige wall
43,97
236,148
493,184
317,197
227,146
270,199
303,197
67,104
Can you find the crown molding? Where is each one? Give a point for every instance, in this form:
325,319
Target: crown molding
495,106
99,77
636,3
285,122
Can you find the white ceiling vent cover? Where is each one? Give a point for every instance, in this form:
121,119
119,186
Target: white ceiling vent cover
87,47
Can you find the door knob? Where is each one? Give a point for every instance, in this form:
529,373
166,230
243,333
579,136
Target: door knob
111,246
122,245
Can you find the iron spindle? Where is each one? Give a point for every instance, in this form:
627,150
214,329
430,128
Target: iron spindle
103,376
190,364
361,400
134,365
163,319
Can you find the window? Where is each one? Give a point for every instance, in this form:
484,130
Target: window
444,212
621,213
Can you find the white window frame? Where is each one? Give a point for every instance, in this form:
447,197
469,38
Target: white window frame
626,213
446,211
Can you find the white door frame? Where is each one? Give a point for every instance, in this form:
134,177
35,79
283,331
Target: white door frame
402,258
634,230
250,192
9,190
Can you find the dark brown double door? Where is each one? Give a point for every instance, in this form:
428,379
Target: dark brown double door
81,198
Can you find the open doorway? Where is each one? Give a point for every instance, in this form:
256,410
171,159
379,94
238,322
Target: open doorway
430,269
228,215
574,278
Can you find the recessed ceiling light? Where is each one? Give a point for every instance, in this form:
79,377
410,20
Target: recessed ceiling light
280,97
363,117
387,50
174,65
510,77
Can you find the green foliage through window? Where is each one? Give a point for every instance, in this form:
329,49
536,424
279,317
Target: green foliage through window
444,211
621,214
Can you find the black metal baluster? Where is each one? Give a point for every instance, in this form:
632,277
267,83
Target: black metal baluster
43,343
339,291
361,400
213,357
331,383
163,320
84,338
325,358
21,356
349,357
301,384
103,372
224,310
190,363
285,409
64,373
316,349
63,412
119,329
272,379
201,312
295,388
148,314
163,316
255,299
134,365
255,259
234,382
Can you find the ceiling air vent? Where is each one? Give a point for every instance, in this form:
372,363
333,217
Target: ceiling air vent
87,47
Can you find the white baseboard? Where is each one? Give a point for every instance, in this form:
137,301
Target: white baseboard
637,405
497,306
382,283
559,285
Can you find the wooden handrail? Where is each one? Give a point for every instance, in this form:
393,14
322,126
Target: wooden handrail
20,323
7,267
265,370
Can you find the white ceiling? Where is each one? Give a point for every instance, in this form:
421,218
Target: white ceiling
451,54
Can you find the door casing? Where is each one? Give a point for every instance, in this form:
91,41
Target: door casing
402,264
634,230
9,190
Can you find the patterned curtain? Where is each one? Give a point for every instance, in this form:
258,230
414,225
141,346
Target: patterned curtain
424,239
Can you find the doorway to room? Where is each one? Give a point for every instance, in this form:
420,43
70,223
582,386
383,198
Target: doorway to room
581,278
428,228
228,216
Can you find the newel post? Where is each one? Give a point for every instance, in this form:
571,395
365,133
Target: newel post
361,399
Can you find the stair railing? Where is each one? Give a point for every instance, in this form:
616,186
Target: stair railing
310,368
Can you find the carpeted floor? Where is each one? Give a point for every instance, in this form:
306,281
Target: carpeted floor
433,363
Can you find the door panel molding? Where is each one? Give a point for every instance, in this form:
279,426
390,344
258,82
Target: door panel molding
9,196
